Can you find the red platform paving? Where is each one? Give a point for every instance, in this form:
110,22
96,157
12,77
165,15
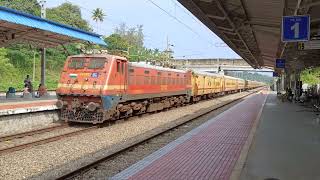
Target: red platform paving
26,104
11,108
207,152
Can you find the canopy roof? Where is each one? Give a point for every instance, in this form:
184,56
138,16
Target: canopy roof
252,28
16,26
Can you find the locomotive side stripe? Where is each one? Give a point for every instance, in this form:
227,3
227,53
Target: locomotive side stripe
79,86
87,86
115,87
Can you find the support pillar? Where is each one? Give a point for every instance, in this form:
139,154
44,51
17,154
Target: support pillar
43,66
283,82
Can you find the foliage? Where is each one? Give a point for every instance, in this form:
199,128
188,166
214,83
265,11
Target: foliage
252,76
28,6
70,14
16,61
116,42
311,76
128,41
133,35
6,68
98,15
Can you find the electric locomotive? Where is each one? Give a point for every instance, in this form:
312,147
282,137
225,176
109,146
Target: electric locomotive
101,87
96,88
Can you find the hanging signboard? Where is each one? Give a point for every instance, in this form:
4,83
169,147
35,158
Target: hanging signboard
280,63
295,28
315,44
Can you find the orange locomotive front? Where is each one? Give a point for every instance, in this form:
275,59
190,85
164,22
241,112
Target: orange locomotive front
96,88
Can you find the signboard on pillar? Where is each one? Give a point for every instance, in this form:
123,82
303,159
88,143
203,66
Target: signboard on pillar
275,74
280,63
313,44
295,28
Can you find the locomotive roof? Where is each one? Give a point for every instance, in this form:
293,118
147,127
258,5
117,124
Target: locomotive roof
100,55
230,77
215,74
207,73
145,65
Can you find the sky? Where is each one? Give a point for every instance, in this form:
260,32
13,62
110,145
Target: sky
189,37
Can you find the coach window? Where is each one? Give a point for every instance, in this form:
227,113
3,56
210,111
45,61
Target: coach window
118,66
122,68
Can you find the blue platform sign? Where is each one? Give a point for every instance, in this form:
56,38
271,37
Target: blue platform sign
280,63
295,28
275,74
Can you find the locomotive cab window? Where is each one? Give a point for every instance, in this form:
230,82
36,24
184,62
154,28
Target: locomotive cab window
118,66
97,63
122,68
76,63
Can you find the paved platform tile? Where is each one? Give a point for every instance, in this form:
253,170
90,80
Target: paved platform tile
207,152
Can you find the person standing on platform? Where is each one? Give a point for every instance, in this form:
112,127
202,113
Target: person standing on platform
28,83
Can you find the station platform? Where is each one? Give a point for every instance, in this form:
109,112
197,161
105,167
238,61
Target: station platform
19,105
209,151
286,144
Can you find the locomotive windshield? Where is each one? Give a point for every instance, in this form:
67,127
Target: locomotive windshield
76,63
97,63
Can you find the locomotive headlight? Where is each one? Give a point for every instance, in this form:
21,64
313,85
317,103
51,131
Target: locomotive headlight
92,106
60,104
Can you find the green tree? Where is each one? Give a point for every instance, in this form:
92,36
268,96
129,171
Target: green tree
98,15
116,42
18,58
133,35
69,14
28,6
7,71
311,76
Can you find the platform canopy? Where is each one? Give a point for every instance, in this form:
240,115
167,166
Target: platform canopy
252,28
16,26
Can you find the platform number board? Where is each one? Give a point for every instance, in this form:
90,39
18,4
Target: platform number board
280,63
275,74
295,28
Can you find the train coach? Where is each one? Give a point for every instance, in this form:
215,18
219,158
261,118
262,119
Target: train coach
98,88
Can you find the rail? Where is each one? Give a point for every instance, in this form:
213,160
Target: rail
45,141
73,171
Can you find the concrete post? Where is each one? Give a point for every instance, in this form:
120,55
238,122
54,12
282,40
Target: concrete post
43,66
43,50
282,82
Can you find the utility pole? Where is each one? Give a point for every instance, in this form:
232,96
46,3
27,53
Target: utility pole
168,51
43,50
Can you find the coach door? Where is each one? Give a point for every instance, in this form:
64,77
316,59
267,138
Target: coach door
122,75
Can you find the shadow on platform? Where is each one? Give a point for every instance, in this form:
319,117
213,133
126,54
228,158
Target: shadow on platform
286,144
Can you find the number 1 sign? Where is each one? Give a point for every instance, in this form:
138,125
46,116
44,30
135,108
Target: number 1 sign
295,28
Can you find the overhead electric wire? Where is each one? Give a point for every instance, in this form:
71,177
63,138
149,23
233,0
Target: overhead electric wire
172,16
178,20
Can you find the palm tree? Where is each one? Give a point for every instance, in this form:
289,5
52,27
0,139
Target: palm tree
98,15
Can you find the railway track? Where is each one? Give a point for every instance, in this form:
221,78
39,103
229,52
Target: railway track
40,141
71,173
30,133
